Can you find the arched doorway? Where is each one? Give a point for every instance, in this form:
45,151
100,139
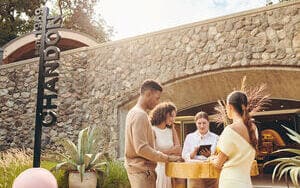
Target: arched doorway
206,89
199,91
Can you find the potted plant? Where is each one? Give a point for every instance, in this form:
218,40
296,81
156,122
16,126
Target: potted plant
83,162
288,165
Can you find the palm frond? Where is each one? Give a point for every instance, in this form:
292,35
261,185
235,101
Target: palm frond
258,100
295,174
290,165
295,151
293,134
284,170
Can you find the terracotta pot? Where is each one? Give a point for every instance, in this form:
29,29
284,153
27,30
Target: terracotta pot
89,180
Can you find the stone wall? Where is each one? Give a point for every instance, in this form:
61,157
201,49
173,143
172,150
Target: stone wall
18,99
96,82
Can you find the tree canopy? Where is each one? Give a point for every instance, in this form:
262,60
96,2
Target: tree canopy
16,18
79,15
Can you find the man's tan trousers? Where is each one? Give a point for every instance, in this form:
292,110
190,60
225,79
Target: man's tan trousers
145,179
202,183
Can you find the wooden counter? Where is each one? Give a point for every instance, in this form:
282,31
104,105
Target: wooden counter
198,170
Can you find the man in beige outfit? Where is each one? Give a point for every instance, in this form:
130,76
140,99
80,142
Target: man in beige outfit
140,155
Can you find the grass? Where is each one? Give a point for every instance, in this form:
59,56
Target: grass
15,161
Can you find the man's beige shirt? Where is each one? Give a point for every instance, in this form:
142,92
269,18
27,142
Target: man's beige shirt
140,154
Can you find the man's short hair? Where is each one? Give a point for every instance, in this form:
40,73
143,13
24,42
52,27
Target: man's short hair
150,85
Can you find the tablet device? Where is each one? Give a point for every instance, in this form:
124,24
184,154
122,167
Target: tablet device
202,147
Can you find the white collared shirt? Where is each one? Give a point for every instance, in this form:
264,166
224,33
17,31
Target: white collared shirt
195,139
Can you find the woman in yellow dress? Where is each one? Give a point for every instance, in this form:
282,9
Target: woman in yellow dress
237,144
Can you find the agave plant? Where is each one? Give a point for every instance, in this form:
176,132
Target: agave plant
85,156
288,165
258,100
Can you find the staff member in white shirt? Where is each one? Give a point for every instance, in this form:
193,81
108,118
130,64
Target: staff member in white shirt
202,136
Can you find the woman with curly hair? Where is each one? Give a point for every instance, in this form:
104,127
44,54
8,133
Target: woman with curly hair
166,139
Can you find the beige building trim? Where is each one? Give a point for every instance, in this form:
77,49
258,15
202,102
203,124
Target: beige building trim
17,43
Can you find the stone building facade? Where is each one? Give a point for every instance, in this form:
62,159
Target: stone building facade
197,63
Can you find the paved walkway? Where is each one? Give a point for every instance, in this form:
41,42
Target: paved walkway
265,181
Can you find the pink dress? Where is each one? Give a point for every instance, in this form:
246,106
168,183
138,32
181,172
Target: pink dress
163,140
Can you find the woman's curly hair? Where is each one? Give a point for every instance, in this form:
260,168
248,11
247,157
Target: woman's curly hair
160,112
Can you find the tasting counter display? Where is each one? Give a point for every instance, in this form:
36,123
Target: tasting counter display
201,169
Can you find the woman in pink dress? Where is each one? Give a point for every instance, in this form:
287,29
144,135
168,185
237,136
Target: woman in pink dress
166,139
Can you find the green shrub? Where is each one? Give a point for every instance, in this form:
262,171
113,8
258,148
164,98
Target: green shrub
115,176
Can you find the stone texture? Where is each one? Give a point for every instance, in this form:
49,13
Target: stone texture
95,83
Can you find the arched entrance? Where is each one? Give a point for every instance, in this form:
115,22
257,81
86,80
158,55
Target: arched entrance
23,47
201,91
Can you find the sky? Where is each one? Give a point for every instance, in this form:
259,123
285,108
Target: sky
130,18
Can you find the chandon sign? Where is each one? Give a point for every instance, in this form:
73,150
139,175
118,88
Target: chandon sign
47,38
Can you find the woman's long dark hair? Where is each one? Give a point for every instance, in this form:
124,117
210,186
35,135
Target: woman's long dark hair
160,112
239,101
